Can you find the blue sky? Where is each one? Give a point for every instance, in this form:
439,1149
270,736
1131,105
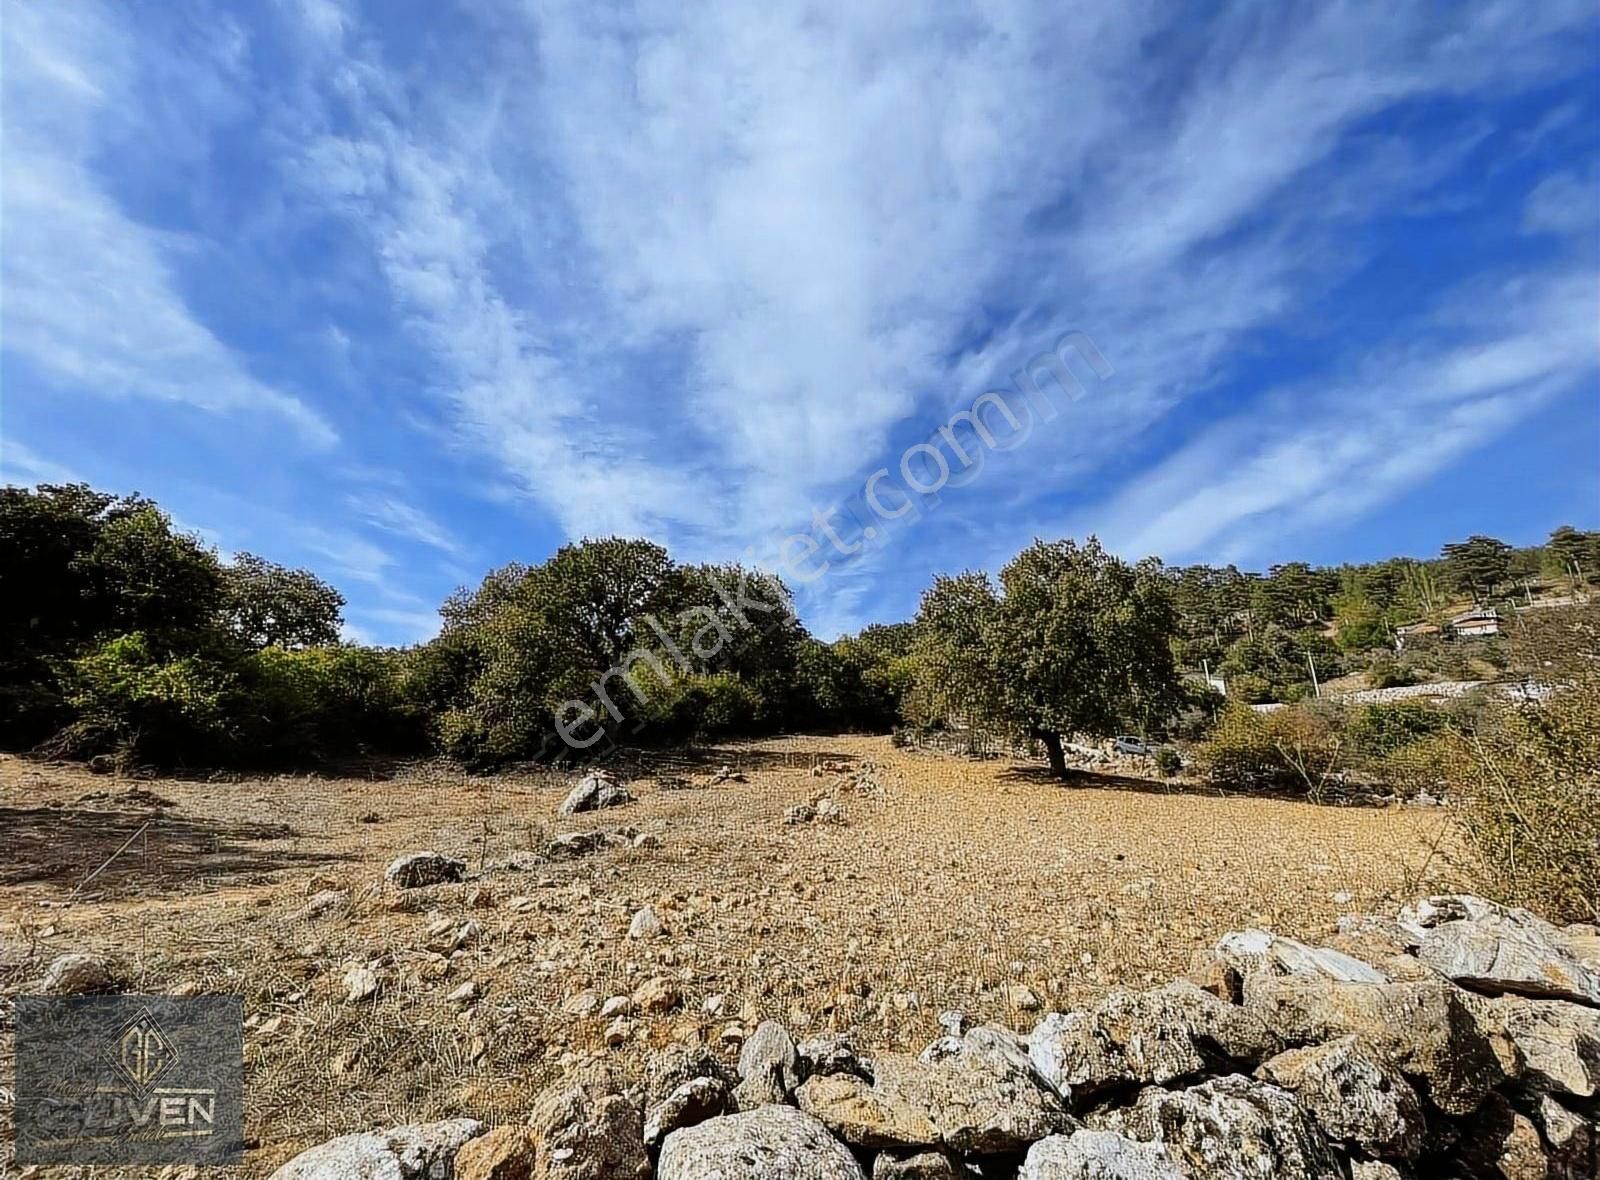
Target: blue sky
404,291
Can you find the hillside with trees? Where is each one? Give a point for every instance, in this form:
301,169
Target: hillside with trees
130,643
127,637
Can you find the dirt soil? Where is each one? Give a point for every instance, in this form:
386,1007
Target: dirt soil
951,883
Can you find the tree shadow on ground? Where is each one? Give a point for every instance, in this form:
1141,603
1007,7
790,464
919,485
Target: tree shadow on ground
642,763
149,850
1333,796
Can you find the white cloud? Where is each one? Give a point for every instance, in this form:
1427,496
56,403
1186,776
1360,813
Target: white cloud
1567,203
1303,458
21,465
90,297
403,519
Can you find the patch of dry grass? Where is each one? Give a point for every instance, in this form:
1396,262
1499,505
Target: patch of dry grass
954,881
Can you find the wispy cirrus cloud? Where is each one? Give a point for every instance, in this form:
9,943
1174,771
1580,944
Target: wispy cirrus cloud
1303,457
692,271
90,295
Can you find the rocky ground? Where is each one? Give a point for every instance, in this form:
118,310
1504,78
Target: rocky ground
832,885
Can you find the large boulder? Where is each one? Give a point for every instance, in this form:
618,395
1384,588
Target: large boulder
586,1128
422,1151
772,1143
594,791
417,869
1426,1029
1097,1155
1259,950
1508,950
1231,1128
981,1098
1354,1097
1158,1037
1557,1043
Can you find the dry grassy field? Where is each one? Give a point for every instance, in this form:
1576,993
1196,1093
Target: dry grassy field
954,883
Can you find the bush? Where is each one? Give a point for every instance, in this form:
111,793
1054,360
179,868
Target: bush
1295,748
1384,671
1376,731
1167,762
1526,788
323,701
141,704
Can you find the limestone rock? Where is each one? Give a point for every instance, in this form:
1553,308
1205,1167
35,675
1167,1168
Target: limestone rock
1231,1128
923,1165
585,1128
1421,916
75,974
573,845
1159,1036
322,902
1425,1029
594,791
1257,950
1508,951
361,982
672,1067
772,1143
584,1003
1582,942
657,995
646,923
505,1153
1501,1141
423,1151
417,869
831,1053
865,1115
1557,1043
984,1099
1355,1098
1097,1155
691,1103
1374,1170
1573,1139
769,1067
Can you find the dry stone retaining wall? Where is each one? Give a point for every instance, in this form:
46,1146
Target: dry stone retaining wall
1458,1039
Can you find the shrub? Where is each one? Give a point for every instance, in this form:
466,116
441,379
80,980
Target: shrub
136,701
1295,748
1167,762
1526,788
323,701
1376,731
1384,671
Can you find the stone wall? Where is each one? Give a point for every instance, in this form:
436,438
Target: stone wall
1456,1039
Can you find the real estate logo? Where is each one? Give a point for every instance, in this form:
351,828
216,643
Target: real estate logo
129,1079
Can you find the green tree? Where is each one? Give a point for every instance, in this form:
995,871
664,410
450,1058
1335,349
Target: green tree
78,567
264,603
955,677
1573,555
1478,565
1076,641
